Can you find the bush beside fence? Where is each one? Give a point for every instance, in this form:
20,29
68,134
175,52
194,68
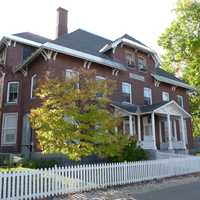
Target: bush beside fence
34,184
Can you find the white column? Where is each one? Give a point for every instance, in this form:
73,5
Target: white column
139,128
131,125
153,129
169,131
183,132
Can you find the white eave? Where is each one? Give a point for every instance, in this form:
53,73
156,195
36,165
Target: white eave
172,82
83,55
130,43
22,40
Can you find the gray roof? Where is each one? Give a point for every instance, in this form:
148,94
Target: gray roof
150,108
32,37
83,41
161,72
131,108
132,39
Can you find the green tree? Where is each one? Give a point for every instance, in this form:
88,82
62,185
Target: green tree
74,118
181,42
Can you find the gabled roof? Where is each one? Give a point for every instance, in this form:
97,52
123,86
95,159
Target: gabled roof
32,37
80,44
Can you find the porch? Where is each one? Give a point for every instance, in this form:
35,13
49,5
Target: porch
160,126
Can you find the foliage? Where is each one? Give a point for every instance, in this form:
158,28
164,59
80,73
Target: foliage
73,121
181,42
131,152
39,163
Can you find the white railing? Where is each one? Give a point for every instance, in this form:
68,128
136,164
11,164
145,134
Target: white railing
32,184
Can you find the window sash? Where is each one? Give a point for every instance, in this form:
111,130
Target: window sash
165,96
127,91
180,100
9,130
130,58
33,85
12,93
142,62
147,96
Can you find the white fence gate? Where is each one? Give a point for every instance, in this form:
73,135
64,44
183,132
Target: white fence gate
32,184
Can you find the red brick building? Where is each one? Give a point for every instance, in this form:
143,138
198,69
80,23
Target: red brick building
154,103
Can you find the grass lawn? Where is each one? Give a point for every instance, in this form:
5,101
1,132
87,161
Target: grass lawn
13,169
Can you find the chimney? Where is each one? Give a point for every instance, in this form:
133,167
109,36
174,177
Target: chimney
62,26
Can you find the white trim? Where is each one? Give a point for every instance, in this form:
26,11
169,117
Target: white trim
173,102
165,93
8,91
23,40
172,82
150,91
83,55
3,143
153,129
182,102
32,78
130,88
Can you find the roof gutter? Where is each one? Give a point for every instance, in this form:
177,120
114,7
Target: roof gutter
172,82
74,53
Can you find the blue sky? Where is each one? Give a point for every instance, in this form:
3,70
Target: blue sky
143,19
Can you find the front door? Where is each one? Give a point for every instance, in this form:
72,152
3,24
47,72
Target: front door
148,136
163,134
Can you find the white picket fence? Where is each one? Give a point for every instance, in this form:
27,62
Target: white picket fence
34,184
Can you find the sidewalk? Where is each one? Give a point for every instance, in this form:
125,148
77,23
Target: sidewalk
140,191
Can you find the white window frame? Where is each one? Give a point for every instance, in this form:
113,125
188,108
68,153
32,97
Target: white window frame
71,71
100,78
130,89
8,92
3,141
32,79
130,57
164,94
144,65
150,92
181,97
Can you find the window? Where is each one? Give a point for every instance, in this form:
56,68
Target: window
99,78
27,51
12,92
165,96
130,58
9,128
126,90
33,85
69,73
147,96
180,100
142,63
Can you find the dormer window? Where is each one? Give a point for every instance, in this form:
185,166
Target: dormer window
142,63
130,58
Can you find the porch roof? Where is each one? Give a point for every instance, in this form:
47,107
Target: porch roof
161,107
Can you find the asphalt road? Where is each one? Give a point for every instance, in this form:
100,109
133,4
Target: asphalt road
181,192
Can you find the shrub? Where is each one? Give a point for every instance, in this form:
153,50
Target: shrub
131,152
39,163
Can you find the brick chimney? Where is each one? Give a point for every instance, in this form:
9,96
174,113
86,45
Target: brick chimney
62,24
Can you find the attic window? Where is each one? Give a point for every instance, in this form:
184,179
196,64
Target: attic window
130,58
27,51
142,63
